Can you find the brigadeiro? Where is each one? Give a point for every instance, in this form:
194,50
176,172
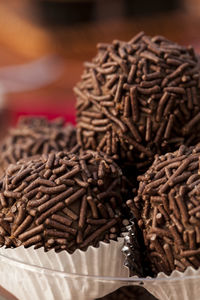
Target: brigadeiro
167,207
63,212
139,98
62,201
36,135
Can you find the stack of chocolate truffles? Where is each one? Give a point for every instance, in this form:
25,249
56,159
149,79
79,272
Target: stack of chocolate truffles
129,167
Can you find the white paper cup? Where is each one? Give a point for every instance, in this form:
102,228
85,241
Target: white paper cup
35,274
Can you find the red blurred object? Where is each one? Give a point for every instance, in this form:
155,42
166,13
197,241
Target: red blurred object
50,109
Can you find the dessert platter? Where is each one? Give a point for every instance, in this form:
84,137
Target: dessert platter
115,200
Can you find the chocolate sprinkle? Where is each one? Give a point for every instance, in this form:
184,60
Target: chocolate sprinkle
146,92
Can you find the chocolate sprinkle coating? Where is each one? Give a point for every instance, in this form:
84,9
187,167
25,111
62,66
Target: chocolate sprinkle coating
77,204
34,136
139,98
167,207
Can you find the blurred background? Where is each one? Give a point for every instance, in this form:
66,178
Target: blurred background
43,44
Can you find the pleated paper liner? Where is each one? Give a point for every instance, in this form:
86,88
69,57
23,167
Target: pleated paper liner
35,274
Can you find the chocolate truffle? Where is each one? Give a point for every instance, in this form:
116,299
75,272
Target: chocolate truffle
61,201
139,98
34,136
168,210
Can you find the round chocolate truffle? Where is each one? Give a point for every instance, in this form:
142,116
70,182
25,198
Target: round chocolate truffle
34,136
61,201
167,207
139,98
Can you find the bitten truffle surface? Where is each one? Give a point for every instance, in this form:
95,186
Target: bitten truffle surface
139,98
36,135
167,207
61,201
